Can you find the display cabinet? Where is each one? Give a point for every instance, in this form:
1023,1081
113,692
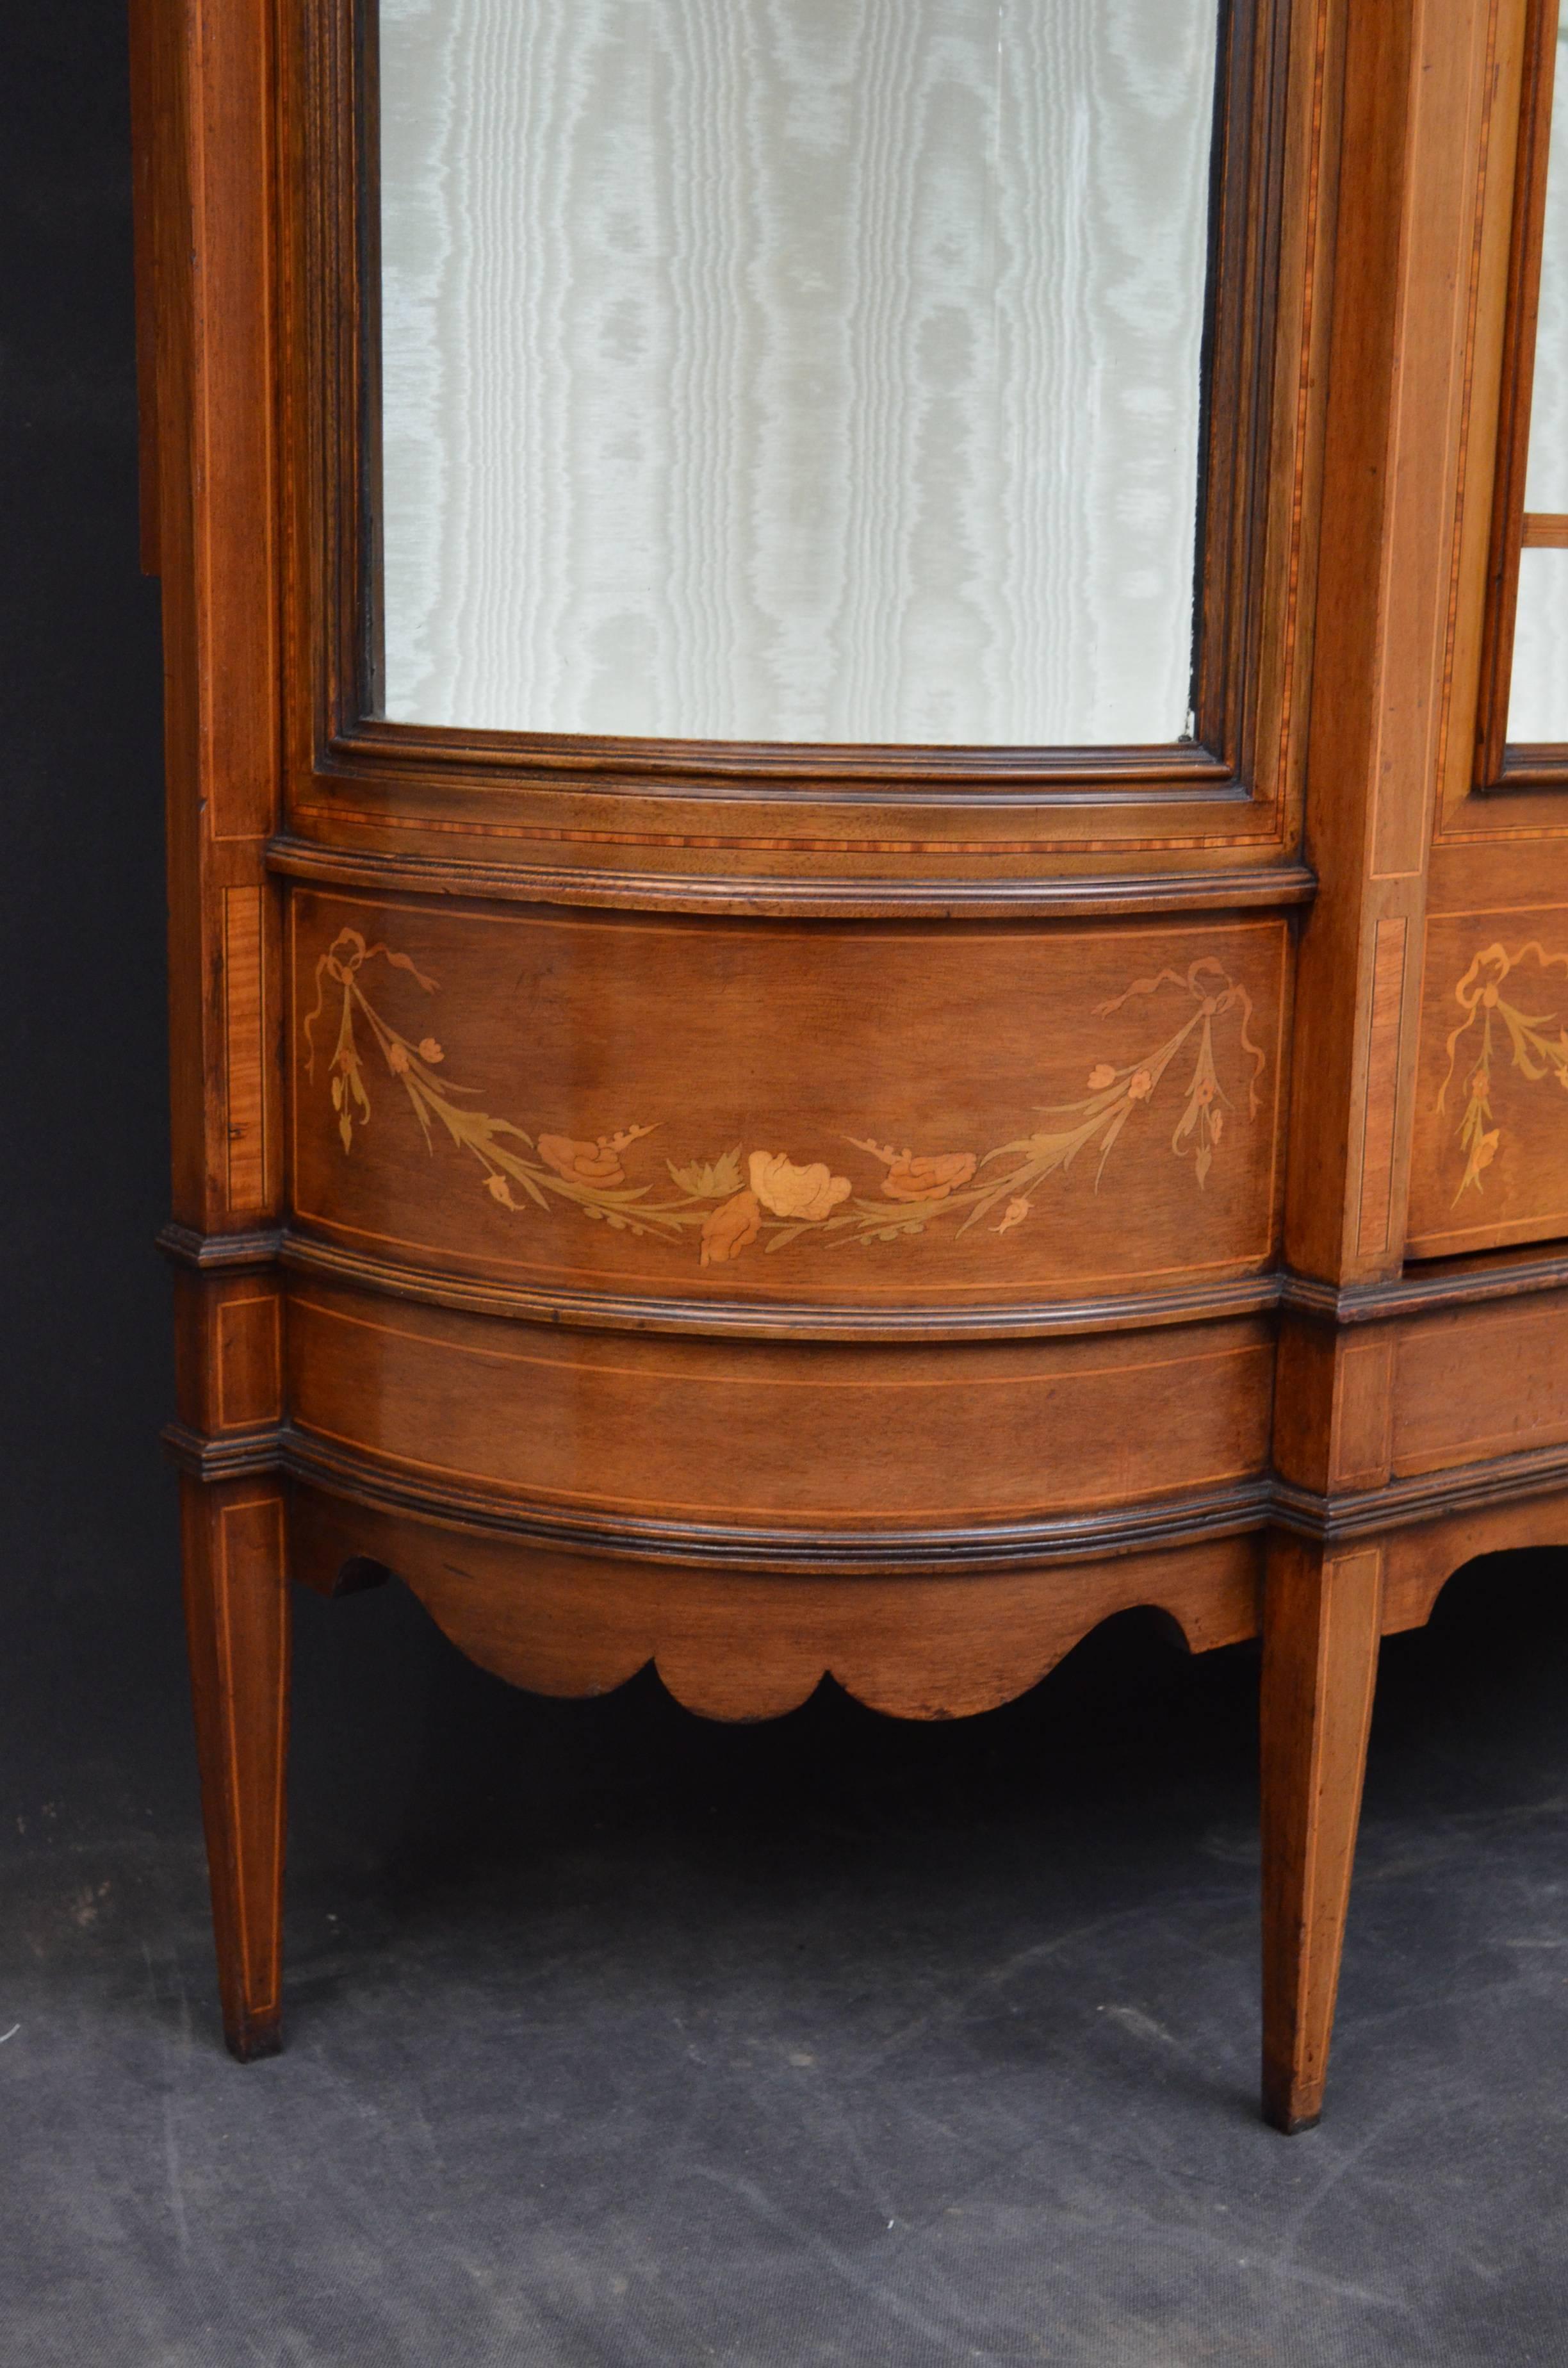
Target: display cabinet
867,743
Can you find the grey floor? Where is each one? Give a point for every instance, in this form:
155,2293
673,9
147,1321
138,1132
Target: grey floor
619,2039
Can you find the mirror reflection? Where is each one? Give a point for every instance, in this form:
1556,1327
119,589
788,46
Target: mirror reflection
794,369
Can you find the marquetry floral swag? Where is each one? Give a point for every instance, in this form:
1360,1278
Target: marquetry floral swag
1534,1053
730,1202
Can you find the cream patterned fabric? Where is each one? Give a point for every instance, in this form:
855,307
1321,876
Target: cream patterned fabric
1538,704
794,369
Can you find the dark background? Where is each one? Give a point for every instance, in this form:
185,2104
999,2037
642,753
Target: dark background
89,1643
614,2037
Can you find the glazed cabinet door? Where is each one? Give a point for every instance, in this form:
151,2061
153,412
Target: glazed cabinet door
1491,1115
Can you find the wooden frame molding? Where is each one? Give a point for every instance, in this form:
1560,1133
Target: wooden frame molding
1473,1281
1088,894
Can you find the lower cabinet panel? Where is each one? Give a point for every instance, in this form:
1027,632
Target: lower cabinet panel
798,1433
1489,1162
852,1115
1480,1382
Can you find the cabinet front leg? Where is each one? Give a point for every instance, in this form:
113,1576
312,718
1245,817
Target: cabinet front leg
237,1621
1321,1626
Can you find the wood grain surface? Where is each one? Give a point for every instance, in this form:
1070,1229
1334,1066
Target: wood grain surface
1480,1382
237,1619
1033,1110
1490,1154
1322,1624
737,1647
715,1430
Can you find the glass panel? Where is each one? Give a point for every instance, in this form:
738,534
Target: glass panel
1538,699
794,369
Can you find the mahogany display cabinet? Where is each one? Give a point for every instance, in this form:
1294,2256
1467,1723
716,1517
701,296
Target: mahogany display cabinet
868,822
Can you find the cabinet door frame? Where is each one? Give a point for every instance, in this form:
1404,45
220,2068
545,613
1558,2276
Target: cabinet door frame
1236,782
1501,764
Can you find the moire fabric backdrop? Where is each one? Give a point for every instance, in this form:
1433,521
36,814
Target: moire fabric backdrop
794,369
1538,708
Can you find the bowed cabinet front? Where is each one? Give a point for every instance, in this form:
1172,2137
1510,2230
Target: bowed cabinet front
861,951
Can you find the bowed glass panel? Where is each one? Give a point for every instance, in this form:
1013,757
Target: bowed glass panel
794,371
1538,702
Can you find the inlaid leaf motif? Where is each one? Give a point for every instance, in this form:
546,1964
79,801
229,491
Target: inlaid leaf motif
709,1181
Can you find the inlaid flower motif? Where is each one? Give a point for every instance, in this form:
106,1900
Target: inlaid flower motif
786,1190
582,1163
918,1175
730,1202
730,1229
913,1178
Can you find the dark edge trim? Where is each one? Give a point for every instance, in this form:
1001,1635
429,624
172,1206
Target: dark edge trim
219,1253
1415,1293
867,1552
1166,1522
223,1459
739,1319
737,772
1272,886
1534,765
1506,1274
1427,1497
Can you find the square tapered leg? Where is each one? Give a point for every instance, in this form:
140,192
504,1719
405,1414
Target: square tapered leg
237,1619
1322,1624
